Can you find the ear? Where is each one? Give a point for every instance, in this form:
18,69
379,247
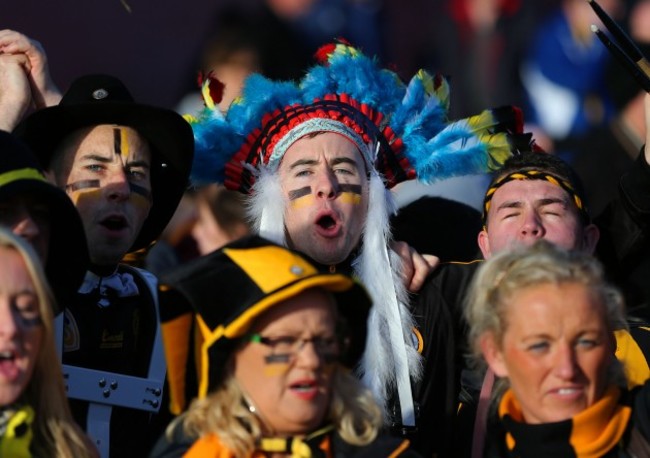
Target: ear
484,243
493,354
590,237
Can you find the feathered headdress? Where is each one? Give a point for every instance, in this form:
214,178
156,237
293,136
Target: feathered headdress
403,133
351,92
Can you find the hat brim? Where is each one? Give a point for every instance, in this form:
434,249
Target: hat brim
353,306
67,258
169,135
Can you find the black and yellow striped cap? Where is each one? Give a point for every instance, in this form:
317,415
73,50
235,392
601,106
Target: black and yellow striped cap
230,288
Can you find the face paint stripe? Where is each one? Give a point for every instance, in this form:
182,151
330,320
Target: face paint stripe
272,359
124,143
84,184
349,198
298,193
351,188
136,189
117,141
303,201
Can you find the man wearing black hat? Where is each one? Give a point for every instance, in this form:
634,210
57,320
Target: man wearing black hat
125,166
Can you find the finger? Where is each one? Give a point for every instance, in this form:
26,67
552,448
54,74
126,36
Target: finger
422,267
20,59
433,261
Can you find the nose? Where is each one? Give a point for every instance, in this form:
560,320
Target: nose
118,188
308,356
327,186
8,325
532,226
566,366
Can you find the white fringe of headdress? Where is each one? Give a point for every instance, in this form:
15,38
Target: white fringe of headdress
390,360
266,206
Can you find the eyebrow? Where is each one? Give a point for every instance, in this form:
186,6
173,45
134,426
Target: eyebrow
96,157
539,203
108,160
344,160
335,161
300,162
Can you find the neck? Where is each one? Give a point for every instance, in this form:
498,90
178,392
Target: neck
103,270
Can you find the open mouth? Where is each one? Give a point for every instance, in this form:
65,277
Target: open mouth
114,223
306,390
326,222
7,356
8,365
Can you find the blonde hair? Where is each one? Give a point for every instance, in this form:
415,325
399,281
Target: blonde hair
224,412
512,270
55,432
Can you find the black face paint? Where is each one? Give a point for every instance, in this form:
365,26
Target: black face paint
31,322
298,193
286,358
271,359
117,140
144,192
352,188
83,184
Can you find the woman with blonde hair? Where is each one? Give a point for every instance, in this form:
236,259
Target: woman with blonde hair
280,337
35,419
543,319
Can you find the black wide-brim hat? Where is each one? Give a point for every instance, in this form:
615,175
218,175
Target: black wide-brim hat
67,259
229,288
102,99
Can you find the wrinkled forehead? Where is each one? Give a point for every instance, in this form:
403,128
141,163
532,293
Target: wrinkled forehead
122,141
285,315
330,145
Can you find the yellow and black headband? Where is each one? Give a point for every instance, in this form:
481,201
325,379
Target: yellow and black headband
535,175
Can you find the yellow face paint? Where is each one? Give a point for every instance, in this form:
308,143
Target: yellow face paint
275,369
82,196
303,201
125,144
349,198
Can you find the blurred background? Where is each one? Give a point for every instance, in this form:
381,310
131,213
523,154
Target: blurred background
539,55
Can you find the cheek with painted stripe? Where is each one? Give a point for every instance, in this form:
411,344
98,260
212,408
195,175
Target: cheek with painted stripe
301,197
350,194
85,195
140,192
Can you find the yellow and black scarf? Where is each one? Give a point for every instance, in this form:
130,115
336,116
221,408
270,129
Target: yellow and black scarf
591,434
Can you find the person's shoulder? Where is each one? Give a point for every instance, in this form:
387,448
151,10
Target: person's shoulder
175,442
451,278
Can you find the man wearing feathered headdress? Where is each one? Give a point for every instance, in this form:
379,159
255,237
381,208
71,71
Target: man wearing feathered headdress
317,158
